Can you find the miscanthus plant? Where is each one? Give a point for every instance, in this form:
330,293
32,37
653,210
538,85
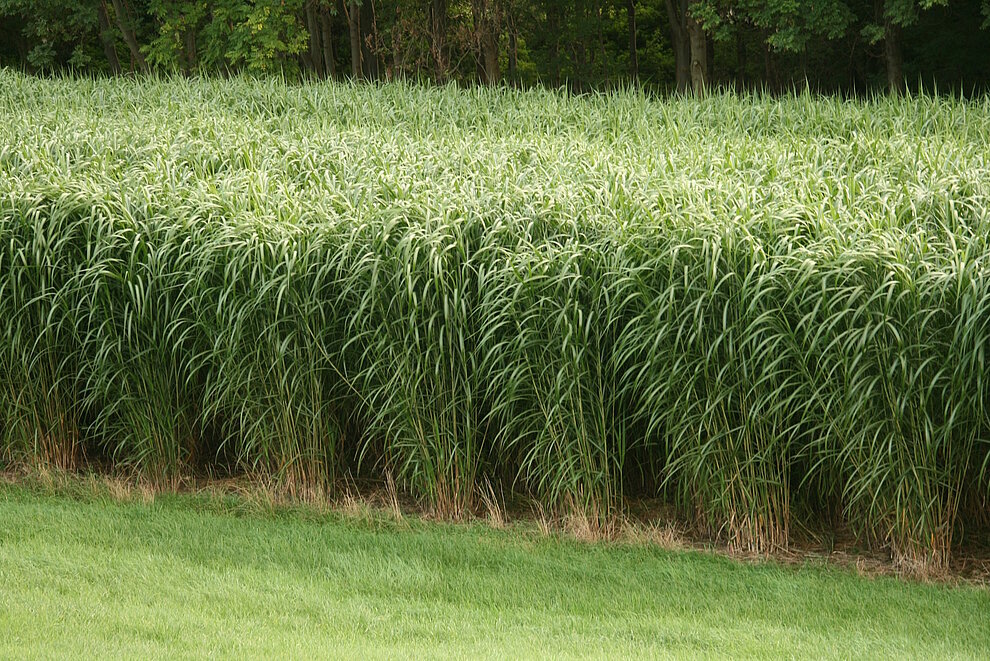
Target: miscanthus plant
768,311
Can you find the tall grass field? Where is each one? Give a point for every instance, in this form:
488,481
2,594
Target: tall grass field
771,313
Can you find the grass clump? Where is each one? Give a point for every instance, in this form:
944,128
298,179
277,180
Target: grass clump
770,312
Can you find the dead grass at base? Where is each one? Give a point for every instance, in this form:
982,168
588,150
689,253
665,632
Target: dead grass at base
667,535
649,524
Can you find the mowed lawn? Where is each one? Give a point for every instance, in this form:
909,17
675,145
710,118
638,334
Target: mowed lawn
86,575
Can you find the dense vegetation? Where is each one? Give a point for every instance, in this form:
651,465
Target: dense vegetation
851,45
768,312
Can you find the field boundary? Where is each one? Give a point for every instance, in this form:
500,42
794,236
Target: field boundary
649,524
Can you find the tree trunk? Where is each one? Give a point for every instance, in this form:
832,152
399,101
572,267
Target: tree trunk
490,49
601,42
326,30
22,49
740,61
126,25
580,68
438,38
710,58
107,39
313,27
486,27
893,56
189,45
369,51
772,75
633,50
354,30
553,29
513,54
699,56
398,49
677,16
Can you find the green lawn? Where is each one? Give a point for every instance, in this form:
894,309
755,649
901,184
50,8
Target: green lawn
84,575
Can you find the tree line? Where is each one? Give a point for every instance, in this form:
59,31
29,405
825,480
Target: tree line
687,45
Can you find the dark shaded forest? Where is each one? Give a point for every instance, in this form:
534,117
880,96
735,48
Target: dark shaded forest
851,46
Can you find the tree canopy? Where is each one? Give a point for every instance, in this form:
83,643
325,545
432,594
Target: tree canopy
849,45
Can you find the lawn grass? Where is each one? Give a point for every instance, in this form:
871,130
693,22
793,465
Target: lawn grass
83,575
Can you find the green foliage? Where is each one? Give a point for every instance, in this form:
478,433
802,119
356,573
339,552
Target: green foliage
580,44
902,13
756,308
57,30
258,36
905,12
788,25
